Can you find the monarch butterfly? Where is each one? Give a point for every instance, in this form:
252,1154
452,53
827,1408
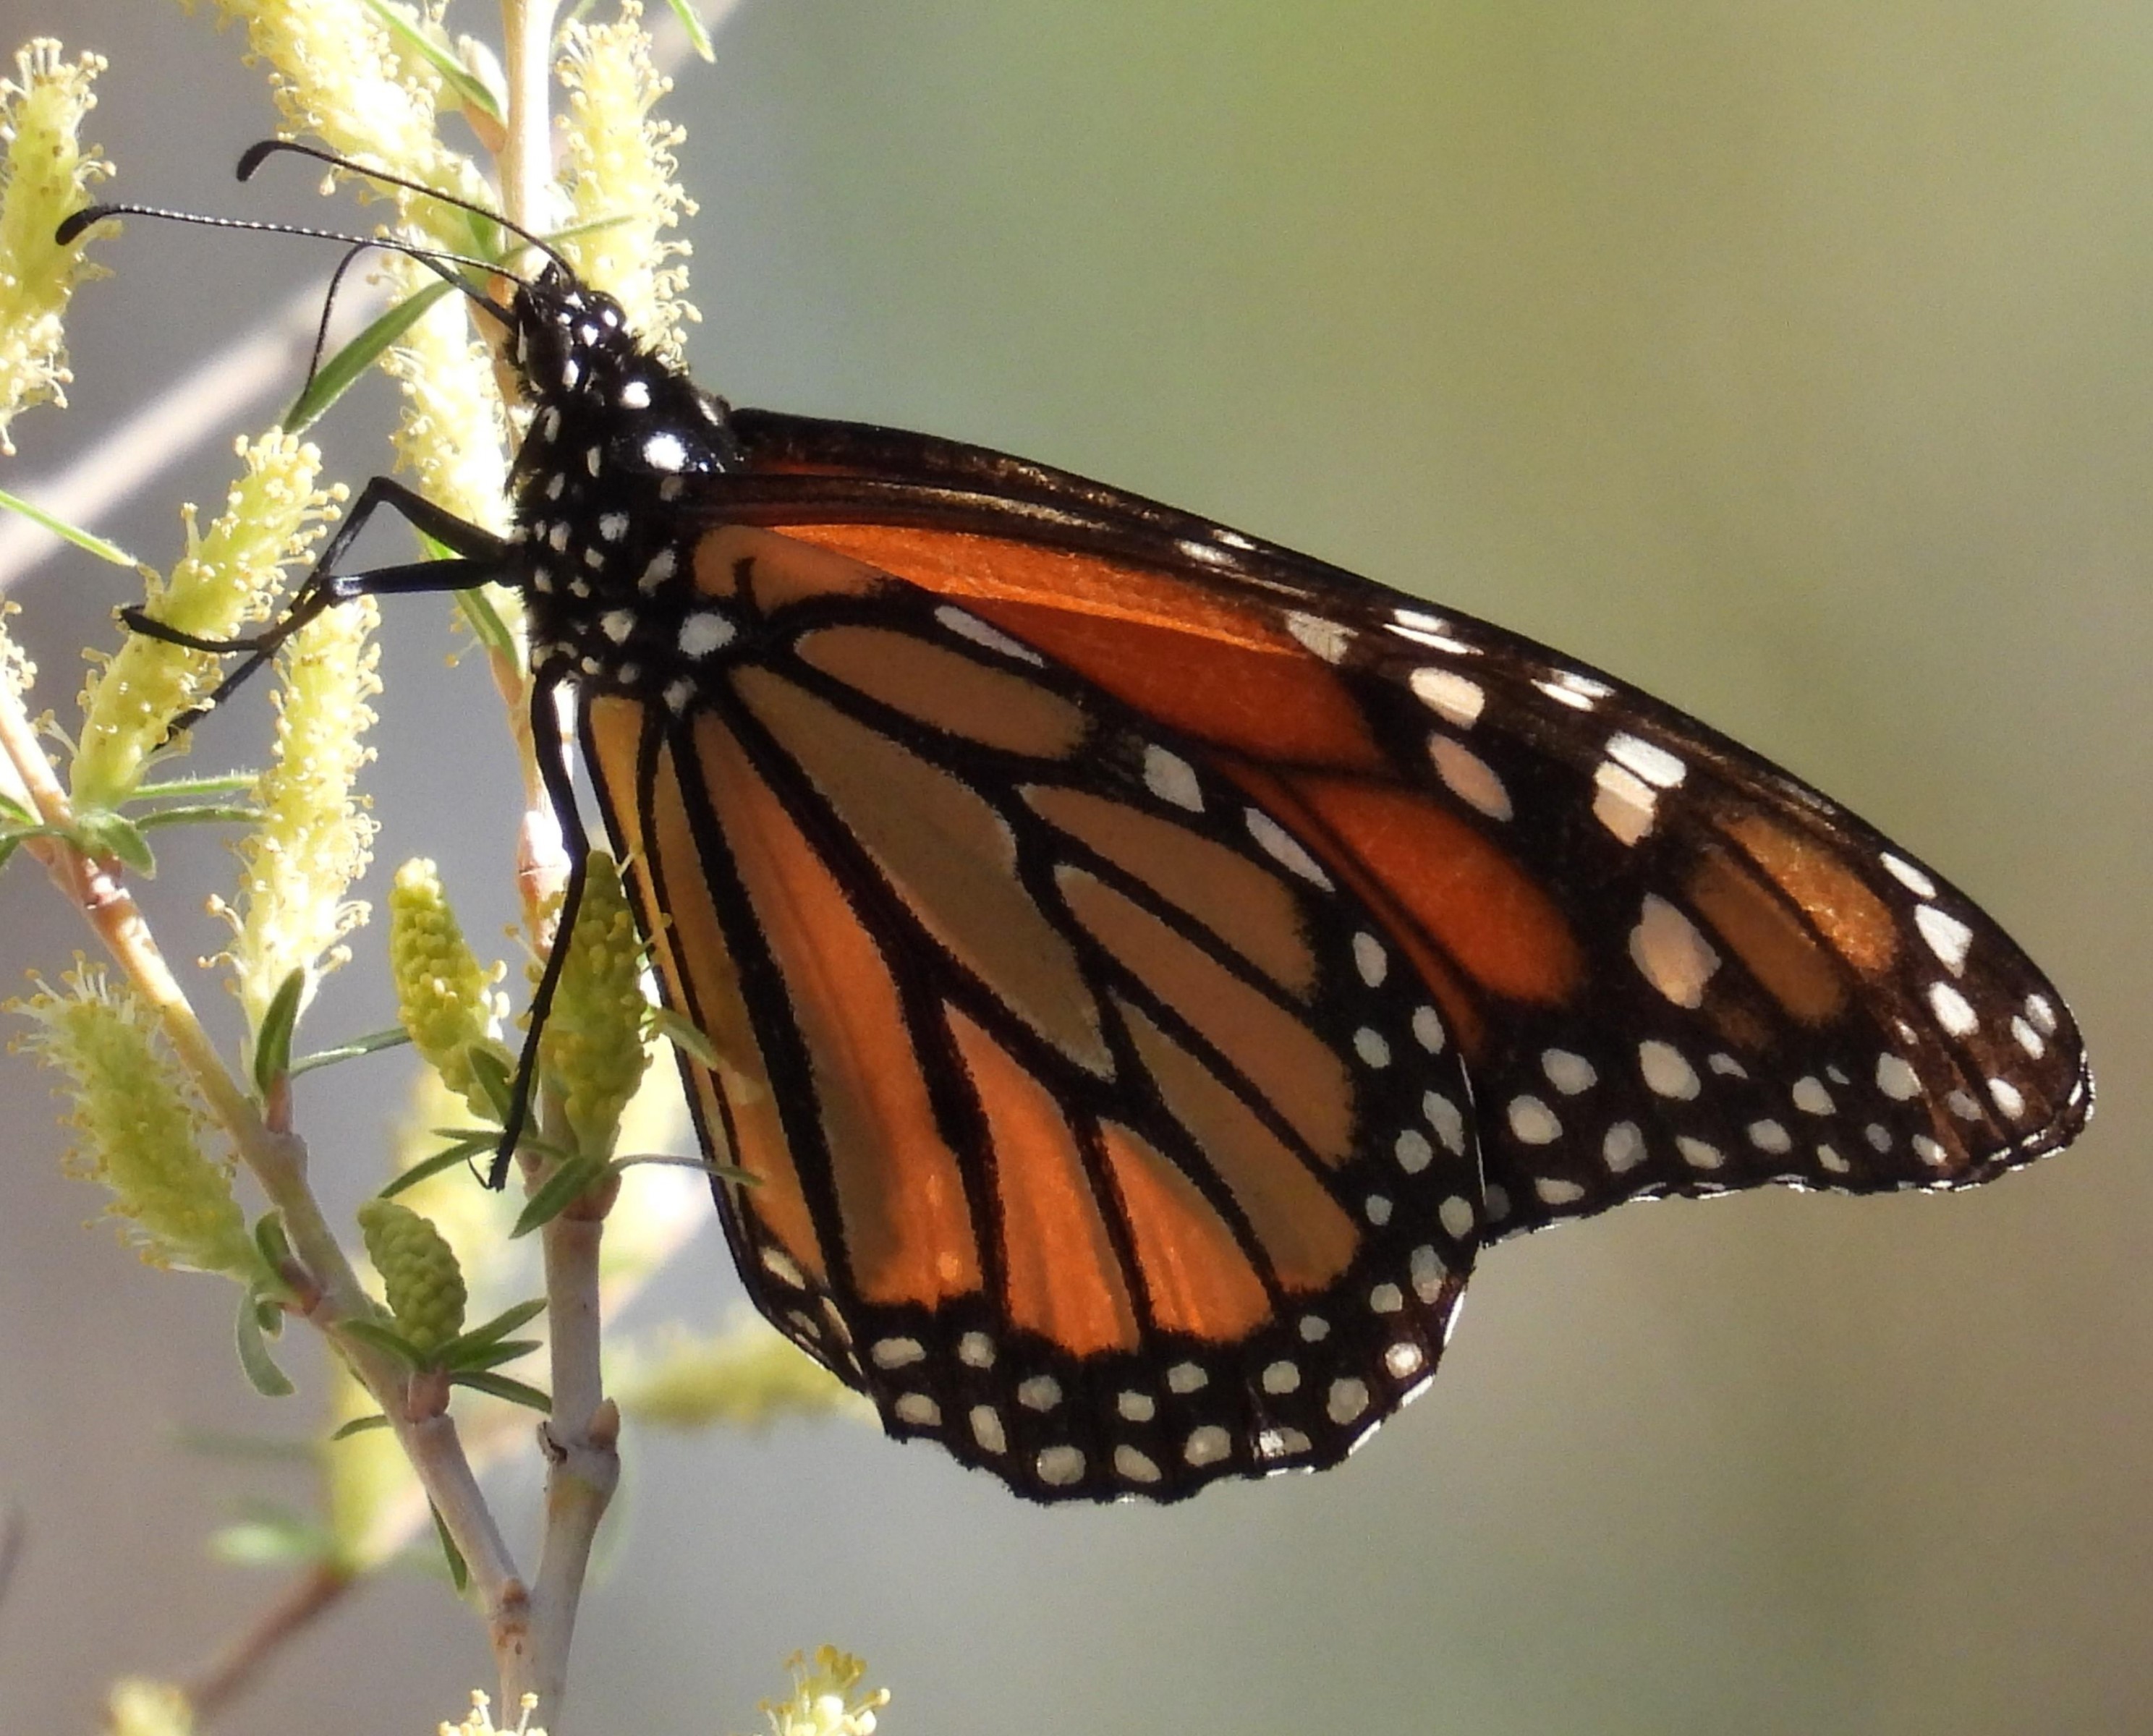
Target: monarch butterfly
1149,964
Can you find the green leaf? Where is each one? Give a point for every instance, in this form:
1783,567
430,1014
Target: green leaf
372,1043
337,375
221,783
460,1153
13,812
387,1340
459,1360
502,1387
505,1322
110,834
683,1035
470,89
199,813
667,1160
261,1368
485,622
82,539
271,1242
459,1573
493,1079
698,39
560,1190
360,1425
272,1043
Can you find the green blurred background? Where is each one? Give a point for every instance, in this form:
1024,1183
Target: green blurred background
1794,362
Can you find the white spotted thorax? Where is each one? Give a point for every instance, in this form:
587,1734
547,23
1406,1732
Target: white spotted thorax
614,435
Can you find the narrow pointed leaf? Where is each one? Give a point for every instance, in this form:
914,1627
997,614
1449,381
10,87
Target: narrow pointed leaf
560,1190
341,370
698,39
272,1043
502,1387
84,540
470,89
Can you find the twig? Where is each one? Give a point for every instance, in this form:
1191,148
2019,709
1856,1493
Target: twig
229,1673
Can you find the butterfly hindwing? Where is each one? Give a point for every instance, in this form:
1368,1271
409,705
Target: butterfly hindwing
1099,1133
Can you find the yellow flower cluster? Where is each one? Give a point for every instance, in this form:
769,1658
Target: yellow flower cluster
137,1127
480,1720
418,1272
622,175
592,1050
825,1700
314,839
271,520
337,74
442,992
47,176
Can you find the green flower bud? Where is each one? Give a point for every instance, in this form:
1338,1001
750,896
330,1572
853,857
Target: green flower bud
419,1270
138,1127
441,990
591,1051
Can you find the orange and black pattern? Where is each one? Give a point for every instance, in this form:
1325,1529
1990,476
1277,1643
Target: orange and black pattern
1146,967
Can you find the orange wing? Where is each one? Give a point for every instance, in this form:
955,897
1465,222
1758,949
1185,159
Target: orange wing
1098,1131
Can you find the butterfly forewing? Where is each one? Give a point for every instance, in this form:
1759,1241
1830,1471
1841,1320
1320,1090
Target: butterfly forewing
1097,1130
1672,967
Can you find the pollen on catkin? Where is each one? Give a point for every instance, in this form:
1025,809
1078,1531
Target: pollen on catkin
826,1700
271,519
591,1051
335,72
620,174
314,837
138,1128
418,1272
46,175
443,998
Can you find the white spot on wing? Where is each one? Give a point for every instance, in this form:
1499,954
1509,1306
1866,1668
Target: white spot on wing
966,625
1569,1073
1172,779
1673,956
1449,694
1951,1011
1666,1071
1908,876
1369,958
1457,1215
1622,802
1946,935
1652,763
1327,639
1468,777
705,631
1896,1078
1282,847
663,452
1533,1122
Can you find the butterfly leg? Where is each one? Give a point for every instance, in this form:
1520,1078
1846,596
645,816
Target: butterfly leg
560,792
479,556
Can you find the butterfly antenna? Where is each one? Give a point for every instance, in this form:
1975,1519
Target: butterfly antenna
438,259
256,154
336,281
